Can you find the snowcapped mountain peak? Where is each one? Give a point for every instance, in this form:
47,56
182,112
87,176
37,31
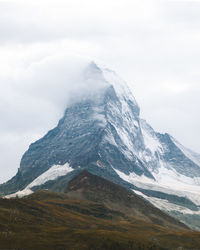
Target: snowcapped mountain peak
102,78
102,131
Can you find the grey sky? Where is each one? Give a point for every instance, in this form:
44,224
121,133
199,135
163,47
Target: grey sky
153,45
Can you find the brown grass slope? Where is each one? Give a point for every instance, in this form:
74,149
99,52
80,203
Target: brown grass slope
87,186
47,220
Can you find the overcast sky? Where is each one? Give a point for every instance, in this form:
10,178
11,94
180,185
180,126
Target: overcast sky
153,45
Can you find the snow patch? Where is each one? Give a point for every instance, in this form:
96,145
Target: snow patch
20,194
132,177
168,177
166,205
110,139
100,164
168,181
187,152
51,174
151,142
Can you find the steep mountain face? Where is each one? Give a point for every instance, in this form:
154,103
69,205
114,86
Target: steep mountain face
103,133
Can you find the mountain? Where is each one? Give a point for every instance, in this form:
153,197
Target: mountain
102,132
93,213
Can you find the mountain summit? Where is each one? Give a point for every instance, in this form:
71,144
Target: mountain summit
103,133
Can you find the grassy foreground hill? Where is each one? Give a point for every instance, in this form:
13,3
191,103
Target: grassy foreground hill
47,220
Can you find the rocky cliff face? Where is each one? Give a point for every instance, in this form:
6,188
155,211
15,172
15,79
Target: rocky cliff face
103,133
